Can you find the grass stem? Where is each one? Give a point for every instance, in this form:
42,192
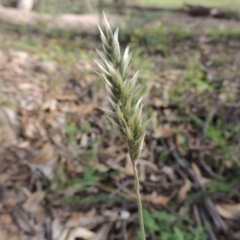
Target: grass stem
139,201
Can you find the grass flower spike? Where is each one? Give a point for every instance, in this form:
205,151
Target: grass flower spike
125,98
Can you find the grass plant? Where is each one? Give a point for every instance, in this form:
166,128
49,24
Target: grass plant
125,98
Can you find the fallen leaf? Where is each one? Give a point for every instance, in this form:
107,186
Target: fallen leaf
57,229
196,171
229,211
100,167
157,102
12,118
169,172
198,174
45,160
45,154
4,177
81,233
41,129
64,235
23,145
5,219
148,164
47,67
66,97
31,131
184,190
9,202
52,122
49,104
165,131
104,232
84,140
74,220
25,86
83,109
126,170
32,203
157,199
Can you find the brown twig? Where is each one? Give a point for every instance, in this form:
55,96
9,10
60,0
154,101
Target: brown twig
143,8
205,221
217,220
200,148
203,138
197,215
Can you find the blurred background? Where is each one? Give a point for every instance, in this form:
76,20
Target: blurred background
84,6
65,174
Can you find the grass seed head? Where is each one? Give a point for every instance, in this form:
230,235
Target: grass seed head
124,94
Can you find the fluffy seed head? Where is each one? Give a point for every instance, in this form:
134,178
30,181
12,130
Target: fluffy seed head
124,95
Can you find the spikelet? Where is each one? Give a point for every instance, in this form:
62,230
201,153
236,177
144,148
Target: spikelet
124,95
